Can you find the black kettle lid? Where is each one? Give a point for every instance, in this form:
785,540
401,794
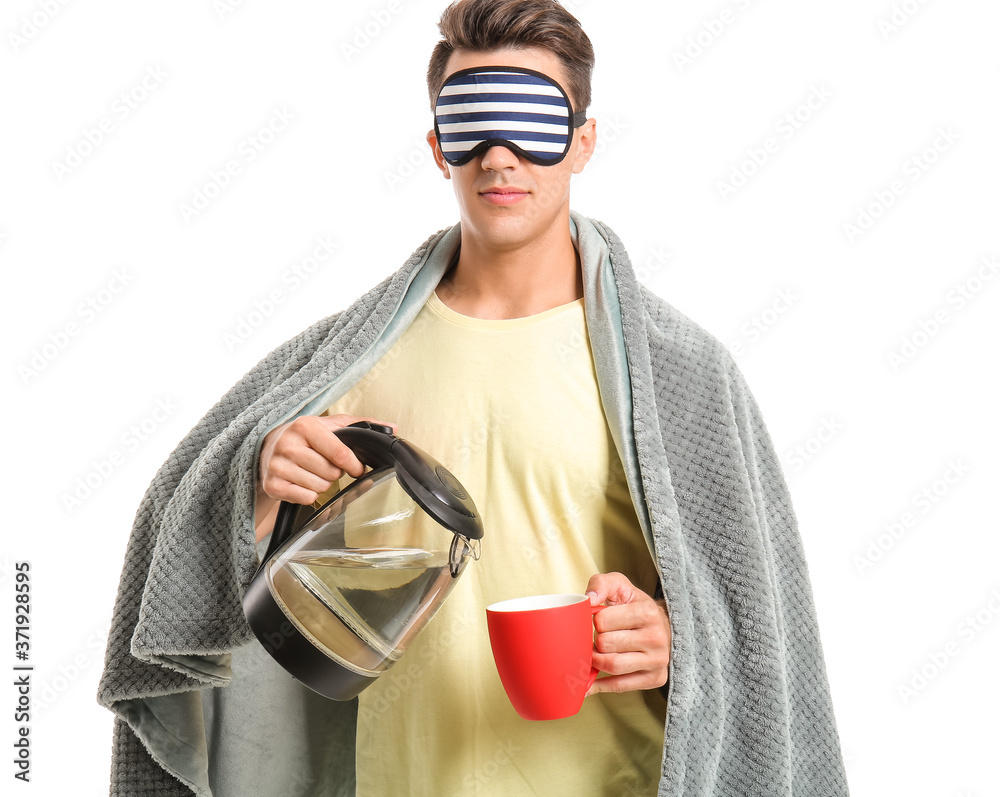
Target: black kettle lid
433,487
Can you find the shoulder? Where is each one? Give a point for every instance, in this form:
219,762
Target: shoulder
696,379
675,336
691,365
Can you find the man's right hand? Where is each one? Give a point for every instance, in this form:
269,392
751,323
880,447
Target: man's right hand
299,461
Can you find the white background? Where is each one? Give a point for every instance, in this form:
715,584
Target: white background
886,423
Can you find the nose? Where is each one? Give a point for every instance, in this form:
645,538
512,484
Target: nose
500,157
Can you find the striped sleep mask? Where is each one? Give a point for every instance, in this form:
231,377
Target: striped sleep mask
488,106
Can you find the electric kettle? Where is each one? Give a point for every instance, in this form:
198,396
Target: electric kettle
343,589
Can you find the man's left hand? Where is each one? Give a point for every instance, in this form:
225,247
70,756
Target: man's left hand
633,636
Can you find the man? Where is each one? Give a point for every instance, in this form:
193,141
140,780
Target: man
516,262
623,457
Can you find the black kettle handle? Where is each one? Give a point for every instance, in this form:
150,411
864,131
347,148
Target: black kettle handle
371,444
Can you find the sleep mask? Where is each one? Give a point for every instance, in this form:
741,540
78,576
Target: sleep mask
507,106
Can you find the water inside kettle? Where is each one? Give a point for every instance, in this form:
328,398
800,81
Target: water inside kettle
361,605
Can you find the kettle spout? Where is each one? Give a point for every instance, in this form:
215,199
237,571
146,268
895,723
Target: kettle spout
461,549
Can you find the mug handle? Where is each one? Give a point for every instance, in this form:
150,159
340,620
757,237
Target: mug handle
594,672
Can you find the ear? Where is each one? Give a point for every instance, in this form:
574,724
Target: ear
586,143
436,153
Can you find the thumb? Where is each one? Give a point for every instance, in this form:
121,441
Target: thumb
613,588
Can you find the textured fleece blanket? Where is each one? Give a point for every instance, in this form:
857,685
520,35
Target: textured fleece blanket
200,709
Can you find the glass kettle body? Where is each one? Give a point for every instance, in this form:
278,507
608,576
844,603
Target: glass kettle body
338,598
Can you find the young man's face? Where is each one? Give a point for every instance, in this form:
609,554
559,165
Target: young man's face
540,203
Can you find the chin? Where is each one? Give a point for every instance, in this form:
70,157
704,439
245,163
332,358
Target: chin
505,228
525,216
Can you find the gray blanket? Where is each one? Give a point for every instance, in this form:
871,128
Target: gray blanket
200,709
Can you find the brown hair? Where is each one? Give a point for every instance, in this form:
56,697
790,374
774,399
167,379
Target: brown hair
485,25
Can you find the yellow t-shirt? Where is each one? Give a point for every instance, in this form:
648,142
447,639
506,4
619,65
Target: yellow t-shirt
512,408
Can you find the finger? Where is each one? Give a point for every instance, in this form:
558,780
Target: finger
623,641
652,639
293,460
335,450
304,459
281,490
622,663
289,472
644,679
598,588
302,488
619,618
630,616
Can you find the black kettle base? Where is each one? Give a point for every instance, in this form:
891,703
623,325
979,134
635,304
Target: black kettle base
292,649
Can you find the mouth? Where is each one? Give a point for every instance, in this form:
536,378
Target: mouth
503,195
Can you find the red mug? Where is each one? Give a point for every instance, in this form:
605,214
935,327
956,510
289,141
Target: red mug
543,648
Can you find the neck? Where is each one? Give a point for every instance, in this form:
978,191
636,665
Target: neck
495,282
